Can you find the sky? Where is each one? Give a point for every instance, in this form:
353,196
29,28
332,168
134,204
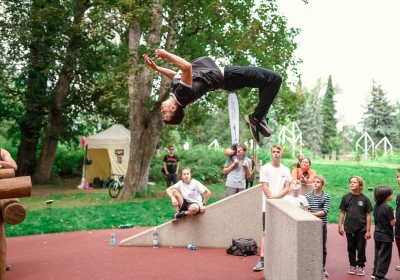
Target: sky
355,41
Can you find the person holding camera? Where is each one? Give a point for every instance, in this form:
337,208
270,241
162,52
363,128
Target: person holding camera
304,173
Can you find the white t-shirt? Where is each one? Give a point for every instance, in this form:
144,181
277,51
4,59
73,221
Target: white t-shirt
276,177
191,192
299,201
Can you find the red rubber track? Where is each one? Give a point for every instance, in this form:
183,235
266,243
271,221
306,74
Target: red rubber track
88,255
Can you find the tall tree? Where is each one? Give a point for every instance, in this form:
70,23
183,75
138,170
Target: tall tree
312,134
380,116
328,111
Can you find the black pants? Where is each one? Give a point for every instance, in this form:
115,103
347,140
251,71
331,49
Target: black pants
171,178
268,82
356,243
324,239
382,259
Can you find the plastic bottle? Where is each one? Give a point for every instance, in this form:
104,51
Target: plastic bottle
112,239
155,238
126,226
191,247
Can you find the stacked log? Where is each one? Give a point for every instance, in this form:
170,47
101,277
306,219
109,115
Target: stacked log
11,210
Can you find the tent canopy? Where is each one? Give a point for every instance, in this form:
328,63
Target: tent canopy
109,152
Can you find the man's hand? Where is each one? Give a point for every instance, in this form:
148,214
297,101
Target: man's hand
161,54
235,161
367,235
341,231
272,196
150,62
245,164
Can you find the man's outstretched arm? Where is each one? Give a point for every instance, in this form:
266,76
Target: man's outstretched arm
165,71
182,64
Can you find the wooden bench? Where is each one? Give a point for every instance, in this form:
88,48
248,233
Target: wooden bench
12,212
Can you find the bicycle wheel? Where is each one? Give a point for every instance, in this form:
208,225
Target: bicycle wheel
113,189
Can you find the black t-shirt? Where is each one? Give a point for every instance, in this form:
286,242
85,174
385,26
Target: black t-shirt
397,228
356,207
383,214
171,163
206,76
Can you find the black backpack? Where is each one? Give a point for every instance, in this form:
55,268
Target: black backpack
243,247
97,183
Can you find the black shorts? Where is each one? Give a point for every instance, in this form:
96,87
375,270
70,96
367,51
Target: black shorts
185,206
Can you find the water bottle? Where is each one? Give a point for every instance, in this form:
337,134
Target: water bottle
155,238
112,239
191,247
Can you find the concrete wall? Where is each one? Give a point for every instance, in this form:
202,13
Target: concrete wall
293,243
236,216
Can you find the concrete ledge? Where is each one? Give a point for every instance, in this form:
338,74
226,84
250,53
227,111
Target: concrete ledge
239,215
293,243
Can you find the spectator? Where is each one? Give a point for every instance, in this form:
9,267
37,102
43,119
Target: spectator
319,205
185,196
383,234
7,162
238,170
304,173
274,178
171,166
356,208
294,197
298,162
249,181
397,228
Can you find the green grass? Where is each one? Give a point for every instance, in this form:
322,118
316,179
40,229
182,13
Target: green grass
87,210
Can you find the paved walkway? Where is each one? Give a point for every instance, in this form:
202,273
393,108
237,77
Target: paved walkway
88,255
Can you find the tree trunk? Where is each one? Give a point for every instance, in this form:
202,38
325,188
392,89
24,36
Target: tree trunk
56,121
145,123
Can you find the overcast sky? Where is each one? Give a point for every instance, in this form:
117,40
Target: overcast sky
355,41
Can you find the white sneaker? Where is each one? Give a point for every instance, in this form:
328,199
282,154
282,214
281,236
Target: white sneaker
259,266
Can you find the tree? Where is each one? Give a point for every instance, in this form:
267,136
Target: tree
380,117
312,121
193,29
328,111
54,57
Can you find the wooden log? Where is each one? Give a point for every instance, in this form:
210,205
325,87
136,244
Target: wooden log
13,212
3,250
15,187
7,173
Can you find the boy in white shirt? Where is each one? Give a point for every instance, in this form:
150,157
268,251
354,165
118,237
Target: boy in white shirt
294,197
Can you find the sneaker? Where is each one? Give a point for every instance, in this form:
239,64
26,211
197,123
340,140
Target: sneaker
326,274
360,271
352,270
264,127
179,215
254,127
8,267
397,267
372,276
259,266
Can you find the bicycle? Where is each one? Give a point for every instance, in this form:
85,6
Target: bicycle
116,185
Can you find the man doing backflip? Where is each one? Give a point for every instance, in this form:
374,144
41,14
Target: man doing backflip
196,78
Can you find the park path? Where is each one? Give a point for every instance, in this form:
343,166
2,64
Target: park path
88,255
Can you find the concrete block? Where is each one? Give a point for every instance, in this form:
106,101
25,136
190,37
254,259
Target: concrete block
239,215
293,243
